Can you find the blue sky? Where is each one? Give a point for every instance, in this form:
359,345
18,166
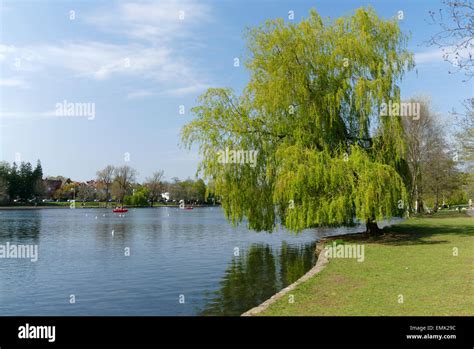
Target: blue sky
138,62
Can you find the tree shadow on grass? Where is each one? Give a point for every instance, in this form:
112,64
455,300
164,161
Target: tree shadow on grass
407,234
411,234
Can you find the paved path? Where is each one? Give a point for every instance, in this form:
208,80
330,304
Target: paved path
470,213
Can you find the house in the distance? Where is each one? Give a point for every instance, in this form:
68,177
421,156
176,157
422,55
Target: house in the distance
51,184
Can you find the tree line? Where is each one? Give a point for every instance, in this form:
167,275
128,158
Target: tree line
438,166
120,183
25,184
21,183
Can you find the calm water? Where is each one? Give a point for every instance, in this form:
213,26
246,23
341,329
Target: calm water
218,269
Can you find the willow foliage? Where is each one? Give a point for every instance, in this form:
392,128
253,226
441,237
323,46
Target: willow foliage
311,110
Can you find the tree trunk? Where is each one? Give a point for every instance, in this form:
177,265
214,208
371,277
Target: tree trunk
372,229
436,204
106,197
421,207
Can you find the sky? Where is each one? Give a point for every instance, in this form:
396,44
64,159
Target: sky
139,66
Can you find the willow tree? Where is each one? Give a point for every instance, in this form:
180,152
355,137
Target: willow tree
326,154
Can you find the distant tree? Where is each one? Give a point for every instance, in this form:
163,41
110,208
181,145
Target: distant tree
456,40
175,189
124,176
468,187
199,190
4,180
85,192
465,144
27,181
465,136
38,184
459,195
66,192
419,138
456,37
210,193
13,182
155,186
187,188
63,179
140,197
105,177
441,177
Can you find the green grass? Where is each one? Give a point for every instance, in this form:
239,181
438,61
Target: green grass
446,214
414,259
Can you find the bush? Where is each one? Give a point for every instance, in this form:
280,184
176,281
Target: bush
139,199
127,200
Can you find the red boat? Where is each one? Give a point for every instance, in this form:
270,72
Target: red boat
120,210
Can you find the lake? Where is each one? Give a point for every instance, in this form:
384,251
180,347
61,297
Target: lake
150,261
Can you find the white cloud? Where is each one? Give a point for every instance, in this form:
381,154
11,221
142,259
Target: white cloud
13,82
441,55
154,21
5,50
429,56
18,59
140,94
154,57
100,61
28,115
192,88
180,91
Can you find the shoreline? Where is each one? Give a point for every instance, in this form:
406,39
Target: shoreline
7,208
320,265
397,257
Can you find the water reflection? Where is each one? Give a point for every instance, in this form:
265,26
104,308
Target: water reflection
295,262
21,228
255,276
172,252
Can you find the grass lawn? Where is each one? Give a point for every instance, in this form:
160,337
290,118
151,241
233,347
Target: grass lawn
413,259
